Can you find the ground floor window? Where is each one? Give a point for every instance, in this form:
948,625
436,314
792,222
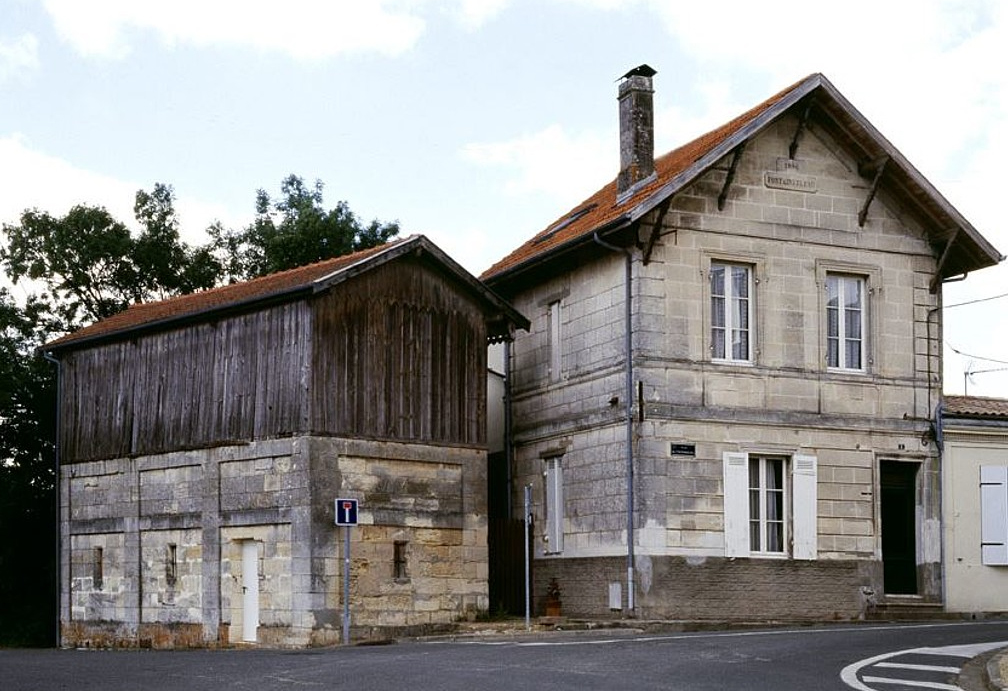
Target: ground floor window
767,524
770,505
553,506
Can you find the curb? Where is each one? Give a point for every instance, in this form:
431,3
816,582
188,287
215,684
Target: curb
993,668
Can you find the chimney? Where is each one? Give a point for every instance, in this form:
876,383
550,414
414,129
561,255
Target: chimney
636,120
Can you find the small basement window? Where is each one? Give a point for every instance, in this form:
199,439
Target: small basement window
97,569
400,572
171,565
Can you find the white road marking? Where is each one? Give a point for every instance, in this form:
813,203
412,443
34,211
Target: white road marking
922,668
849,673
910,682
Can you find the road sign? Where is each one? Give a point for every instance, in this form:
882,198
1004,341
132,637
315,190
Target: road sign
346,512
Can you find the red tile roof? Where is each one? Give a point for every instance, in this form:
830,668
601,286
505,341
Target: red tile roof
603,212
602,207
257,289
976,406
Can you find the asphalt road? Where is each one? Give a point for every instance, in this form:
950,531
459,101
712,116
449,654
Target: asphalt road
777,659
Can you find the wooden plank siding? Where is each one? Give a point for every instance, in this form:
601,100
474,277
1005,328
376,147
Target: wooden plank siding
401,357
240,378
397,353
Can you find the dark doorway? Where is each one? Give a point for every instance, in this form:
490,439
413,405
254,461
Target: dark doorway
506,543
507,566
898,488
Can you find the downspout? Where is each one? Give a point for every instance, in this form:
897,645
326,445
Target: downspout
508,450
628,396
59,500
939,431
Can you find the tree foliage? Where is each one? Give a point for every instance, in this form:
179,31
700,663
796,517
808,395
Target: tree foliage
93,267
28,531
294,230
85,266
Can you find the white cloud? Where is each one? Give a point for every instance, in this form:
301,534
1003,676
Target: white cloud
303,29
475,13
32,179
18,56
565,166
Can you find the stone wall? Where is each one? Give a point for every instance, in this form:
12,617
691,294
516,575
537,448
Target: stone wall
153,546
784,402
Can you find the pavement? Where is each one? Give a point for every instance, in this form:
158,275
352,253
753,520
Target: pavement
985,672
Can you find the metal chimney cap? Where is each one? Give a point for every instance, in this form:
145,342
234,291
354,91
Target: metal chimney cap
641,71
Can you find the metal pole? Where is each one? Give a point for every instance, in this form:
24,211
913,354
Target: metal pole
346,585
528,589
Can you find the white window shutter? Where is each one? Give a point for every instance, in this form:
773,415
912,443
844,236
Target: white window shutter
804,496
994,515
554,506
736,504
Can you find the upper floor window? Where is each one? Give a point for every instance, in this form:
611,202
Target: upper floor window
731,312
845,322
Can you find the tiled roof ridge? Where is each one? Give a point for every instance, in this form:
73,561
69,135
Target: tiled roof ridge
603,206
988,406
221,297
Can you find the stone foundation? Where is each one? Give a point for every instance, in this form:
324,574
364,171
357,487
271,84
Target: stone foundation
719,588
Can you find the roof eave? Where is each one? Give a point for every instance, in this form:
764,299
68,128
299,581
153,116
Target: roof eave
915,177
287,295
512,272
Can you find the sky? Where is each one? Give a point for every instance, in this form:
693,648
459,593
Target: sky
479,122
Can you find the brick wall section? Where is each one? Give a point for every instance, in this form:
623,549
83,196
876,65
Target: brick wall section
716,588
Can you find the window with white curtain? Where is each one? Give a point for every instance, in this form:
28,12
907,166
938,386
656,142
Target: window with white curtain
731,312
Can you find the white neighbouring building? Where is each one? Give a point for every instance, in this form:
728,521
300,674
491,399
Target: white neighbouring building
975,503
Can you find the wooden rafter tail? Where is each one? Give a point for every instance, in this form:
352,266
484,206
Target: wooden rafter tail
730,177
656,229
799,131
936,279
879,166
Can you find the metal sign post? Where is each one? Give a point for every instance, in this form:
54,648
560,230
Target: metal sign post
346,516
528,589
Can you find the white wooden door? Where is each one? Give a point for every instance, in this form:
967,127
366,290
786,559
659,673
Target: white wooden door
250,590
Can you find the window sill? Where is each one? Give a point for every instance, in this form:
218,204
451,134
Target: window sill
855,373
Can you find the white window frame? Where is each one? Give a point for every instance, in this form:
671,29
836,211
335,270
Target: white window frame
761,498
553,505
841,281
800,473
725,339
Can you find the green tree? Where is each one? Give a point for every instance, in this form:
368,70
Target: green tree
28,527
76,269
294,230
93,267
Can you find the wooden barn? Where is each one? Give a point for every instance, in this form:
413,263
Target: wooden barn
203,440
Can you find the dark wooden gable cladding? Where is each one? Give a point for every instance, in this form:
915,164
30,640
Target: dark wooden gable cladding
400,354
240,378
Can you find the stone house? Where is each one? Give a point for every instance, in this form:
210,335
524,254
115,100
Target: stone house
974,441
725,402
204,439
